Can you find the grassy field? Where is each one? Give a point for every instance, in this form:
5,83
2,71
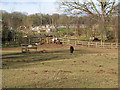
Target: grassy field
54,67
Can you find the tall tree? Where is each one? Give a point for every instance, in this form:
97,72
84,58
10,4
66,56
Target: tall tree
103,10
55,18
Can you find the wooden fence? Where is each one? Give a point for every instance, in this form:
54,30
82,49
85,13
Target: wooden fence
92,44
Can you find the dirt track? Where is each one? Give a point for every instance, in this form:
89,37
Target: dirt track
57,46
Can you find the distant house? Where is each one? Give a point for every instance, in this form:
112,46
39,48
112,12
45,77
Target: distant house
36,29
20,28
95,25
46,28
61,26
83,26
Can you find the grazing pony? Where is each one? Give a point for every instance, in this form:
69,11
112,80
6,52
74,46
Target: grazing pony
71,49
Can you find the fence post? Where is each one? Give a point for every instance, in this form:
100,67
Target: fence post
75,43
63,41
68,41
82,43
96,44
116,45
111,45
88,44
103,44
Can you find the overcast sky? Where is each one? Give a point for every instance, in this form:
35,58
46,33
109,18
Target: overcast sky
30,6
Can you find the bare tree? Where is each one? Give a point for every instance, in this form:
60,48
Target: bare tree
103,10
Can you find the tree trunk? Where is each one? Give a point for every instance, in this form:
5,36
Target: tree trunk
103,25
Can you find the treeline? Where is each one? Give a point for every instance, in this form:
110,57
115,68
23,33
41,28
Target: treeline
16,19
12,21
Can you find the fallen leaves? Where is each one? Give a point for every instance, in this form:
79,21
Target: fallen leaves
100,71
84,61
64,71
81,70
84,71
109,72
65,78
53,71
33,72
57,71
45,71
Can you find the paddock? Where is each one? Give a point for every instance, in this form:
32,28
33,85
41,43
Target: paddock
57,68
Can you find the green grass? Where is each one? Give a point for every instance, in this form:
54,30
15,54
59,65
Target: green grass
10,45
57,68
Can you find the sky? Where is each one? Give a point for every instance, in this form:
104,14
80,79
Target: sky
30,6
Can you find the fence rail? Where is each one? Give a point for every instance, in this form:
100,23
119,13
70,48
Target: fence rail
92,44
